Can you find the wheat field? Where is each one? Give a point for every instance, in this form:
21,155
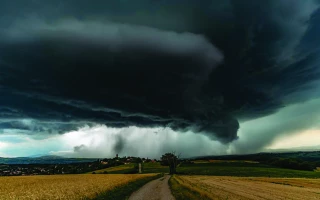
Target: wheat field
62,186
222,187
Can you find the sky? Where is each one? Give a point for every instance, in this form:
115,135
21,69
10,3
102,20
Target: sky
142,78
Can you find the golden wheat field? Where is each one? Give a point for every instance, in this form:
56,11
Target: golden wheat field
253,188
62,186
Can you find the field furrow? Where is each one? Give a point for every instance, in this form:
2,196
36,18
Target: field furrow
254,188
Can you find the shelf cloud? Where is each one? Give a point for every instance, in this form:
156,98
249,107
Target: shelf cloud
203,67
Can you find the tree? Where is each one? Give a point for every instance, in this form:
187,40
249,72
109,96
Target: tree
171,160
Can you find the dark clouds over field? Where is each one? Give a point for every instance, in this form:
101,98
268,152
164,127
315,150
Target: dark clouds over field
199,66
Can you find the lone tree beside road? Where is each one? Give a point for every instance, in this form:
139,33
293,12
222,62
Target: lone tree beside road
171,160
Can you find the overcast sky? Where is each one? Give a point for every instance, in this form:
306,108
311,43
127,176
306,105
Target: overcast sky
211,77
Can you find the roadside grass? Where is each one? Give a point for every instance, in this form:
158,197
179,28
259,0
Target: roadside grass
123,192
182,190
242,169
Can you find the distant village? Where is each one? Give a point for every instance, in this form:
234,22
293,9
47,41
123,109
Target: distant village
70,168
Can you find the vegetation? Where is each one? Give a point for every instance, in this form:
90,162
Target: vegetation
104,180
124,191
149,167
240,168
308,161
292,163
66,186
227,187
121,169
302,155
72,168
182,191
46,169
303,160
171,160
154,167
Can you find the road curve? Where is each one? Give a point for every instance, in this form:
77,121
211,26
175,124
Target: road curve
154,190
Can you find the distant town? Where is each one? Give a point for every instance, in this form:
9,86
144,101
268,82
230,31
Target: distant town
49,165
67,168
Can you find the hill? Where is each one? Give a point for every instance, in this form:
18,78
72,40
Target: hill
301,155
44,160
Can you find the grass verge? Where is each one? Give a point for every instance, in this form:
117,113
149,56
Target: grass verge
182,191
124,191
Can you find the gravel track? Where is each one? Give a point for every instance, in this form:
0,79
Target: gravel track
154,190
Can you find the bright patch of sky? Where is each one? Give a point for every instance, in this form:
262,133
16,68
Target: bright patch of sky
304,139
100,141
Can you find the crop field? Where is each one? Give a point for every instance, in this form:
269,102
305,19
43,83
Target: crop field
224,187
121,169
243,169
82,186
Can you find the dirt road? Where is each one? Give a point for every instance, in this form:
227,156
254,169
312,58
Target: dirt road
154,190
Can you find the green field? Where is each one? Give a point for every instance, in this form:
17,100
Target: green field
154,168
121,169
243,169
133,169
224,168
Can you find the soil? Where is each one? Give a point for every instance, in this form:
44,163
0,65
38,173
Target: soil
155,190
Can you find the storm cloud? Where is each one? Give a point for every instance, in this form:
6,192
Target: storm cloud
100,141
185,65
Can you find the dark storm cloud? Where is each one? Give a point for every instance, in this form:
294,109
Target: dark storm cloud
119,144
79,148
180,64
